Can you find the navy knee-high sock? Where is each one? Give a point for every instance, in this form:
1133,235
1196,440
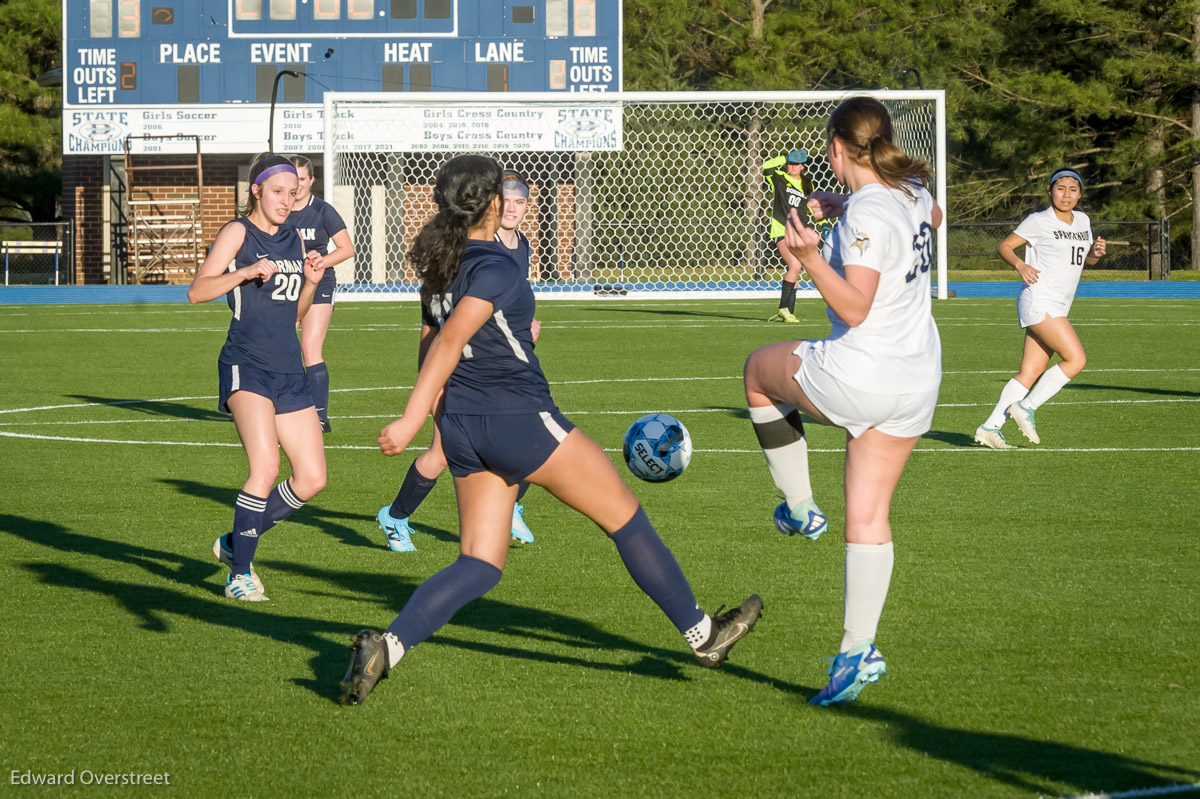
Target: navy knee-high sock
282,503
656,572
247,526
521,491
413,491
318,384
437,599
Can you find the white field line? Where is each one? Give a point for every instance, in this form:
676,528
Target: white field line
673,411
1139,793
114,403
918,450
580,326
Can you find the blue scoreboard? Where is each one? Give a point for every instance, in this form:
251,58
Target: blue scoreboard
208,67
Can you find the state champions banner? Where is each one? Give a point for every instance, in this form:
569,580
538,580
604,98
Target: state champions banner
365,127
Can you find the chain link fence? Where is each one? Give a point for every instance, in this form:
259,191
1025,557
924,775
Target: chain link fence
1132,246
37,253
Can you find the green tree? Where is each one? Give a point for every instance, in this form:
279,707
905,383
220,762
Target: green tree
30,115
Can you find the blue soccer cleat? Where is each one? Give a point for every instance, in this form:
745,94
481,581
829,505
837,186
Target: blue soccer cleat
520,530
398,532
806,519
850,672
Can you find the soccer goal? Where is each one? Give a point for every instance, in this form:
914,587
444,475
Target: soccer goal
631,194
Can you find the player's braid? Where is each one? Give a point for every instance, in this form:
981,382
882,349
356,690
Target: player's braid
465,188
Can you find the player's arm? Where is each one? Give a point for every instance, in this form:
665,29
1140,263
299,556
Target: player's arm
1008,253
1099,247
344,249
470,314
213,279
849,297
772,164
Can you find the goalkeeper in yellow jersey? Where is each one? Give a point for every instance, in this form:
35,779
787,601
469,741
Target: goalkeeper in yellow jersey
790,186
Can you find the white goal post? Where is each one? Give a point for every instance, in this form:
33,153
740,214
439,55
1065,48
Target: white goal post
633,194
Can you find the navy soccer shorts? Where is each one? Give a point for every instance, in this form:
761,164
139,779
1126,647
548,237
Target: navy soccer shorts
512,445
289,392
324,293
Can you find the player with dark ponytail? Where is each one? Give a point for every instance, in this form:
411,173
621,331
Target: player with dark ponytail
500,426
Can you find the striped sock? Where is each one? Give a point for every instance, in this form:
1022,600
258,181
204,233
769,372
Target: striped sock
282,503
247,525
780,433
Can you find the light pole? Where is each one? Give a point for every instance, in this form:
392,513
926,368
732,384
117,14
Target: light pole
291,73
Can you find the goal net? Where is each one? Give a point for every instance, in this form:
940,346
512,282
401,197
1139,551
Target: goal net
631,194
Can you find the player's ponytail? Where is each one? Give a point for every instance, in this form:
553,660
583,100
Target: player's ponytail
865,127
465,188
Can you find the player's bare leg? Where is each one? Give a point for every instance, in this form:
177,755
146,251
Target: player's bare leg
582,476
1052,335
313,329
787,296
874,463
775,401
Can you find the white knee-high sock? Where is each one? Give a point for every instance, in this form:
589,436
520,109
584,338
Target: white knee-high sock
1011,392
868,575
781,436
1046,387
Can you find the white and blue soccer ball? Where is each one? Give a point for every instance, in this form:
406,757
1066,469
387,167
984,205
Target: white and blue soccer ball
657,448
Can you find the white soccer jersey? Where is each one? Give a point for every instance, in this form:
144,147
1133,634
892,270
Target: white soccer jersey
1058,250
896,350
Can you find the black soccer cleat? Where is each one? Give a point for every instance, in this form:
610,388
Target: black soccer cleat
368,665
326,427
727,629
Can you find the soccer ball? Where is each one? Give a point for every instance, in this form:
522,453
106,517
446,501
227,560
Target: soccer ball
657,448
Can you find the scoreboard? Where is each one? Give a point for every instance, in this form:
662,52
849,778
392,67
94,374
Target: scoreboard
208,67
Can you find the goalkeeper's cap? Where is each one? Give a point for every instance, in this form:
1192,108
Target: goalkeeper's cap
797,157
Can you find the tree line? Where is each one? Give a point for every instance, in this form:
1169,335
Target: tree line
1111,88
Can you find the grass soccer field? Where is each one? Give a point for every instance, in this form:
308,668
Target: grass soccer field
1040,632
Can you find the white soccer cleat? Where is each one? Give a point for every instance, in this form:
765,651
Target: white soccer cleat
991,437
224,554
1024,417
243,587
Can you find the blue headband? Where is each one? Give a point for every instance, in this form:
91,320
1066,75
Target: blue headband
1065,173
518,188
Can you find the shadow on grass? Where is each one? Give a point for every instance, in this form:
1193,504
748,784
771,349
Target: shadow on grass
152,605
677,312
158,408
327,521
1040,767
1159,392
953,438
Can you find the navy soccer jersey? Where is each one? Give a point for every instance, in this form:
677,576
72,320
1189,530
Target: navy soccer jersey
262,332
317,222
520,253
498,372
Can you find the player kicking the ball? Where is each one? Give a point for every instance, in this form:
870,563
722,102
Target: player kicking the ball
499,426
1058,242
877,375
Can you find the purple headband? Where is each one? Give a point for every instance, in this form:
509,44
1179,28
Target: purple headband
519,188
274,170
